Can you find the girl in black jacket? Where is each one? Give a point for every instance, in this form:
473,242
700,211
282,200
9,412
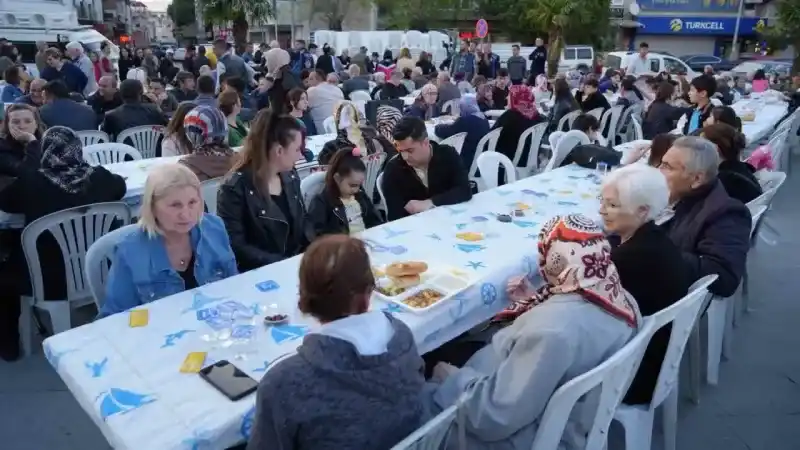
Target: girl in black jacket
343,206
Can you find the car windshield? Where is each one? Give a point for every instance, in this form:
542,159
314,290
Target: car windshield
613,62
748,66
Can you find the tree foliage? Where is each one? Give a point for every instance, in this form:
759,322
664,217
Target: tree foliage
238,12
334,11
786,30
421,15
181,12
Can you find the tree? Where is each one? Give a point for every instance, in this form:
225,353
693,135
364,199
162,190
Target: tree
786,30
334,11
181,12
417,14
238,12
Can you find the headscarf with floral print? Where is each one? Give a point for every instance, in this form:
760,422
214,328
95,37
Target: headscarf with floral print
575,257
520,98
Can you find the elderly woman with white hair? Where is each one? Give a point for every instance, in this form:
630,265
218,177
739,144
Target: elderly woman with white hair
176,246
425,106
650,265
277,61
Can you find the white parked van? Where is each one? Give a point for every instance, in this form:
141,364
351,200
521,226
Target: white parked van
658,62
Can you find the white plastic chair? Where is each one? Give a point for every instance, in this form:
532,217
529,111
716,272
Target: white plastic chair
98,259
597,113
360,96
434,433
638,419
567,120
488,163
109,153
209,189
554,137
75,230
568,141
329,125
487,143
373,162
456,141
613,376
379,185
610,122
144,138
638,133
312,185
451,107
89,137
535,134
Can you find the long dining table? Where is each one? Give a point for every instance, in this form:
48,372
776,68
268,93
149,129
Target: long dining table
128,379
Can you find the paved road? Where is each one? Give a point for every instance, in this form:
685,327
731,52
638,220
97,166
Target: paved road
755,407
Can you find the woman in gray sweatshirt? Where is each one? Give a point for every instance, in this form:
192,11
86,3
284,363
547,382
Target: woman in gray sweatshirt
356,381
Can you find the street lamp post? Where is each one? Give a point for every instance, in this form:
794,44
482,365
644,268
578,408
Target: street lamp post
735,47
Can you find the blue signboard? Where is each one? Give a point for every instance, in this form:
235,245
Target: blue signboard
700,25
699,6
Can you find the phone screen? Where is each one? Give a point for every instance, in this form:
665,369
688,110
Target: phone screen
229,380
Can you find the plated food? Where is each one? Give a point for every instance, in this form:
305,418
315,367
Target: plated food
417,287
400,276
423,298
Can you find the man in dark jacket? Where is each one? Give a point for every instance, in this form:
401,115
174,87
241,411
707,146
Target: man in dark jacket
133,112
60,109
538,58
424,175
72,76
185,88
711,229
393,88
106,98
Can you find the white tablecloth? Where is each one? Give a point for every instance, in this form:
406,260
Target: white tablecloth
135,173
767,116
127,379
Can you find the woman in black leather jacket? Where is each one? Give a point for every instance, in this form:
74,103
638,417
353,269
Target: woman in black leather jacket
260,202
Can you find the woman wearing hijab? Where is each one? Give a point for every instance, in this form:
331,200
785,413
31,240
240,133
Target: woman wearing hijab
386,118
61,181
471,121
277,62
520,116
568,326
207,130
352,133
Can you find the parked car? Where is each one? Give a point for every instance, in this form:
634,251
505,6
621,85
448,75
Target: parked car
698,63
748,68
577,57
658,62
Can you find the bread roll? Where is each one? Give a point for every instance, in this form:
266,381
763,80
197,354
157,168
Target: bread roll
406,281
400,269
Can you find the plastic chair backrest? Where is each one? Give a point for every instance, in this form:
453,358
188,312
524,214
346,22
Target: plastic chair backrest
451,107
98,259
683,314
638,133
75,230
89,137
379,185
456,141
360,96
489,162
432,435
209,189
770,183
374,162
553,139
613,376
535,134
597,113
329,125
608,124
312,185
144,139
486,144
566,121
109,153
570,140
756,212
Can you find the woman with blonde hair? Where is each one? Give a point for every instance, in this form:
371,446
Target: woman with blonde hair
175,248
352,133
260,202
405,61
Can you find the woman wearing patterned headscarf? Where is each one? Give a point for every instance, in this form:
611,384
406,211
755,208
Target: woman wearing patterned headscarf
471,121
206,130
571,324
61,180
521,115
352,132
385,120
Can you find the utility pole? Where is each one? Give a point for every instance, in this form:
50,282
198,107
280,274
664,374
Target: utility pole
735,46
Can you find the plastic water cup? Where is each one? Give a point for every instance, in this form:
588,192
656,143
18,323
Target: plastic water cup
601,169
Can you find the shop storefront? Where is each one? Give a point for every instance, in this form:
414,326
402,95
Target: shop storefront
683,35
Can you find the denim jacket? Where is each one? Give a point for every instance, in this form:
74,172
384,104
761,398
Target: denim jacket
141,272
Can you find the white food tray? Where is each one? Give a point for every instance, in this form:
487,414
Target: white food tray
446,280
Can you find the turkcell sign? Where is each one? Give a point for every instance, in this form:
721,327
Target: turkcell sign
700,25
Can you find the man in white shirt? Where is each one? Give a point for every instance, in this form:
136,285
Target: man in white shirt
638,65
322,98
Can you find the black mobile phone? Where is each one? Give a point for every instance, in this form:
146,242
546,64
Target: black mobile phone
229,379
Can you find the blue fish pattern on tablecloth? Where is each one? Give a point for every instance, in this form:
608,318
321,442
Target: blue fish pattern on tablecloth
390,233
480,219
380,248
235,309
120,401
170,339
456,211
283,333
524,223
199,441
567,203
535,193
457,308
54,358
200,301
488,293
503,193
392,308
532,236
435,237
247,423
461,226
475,265
469,248
96,368
263,367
